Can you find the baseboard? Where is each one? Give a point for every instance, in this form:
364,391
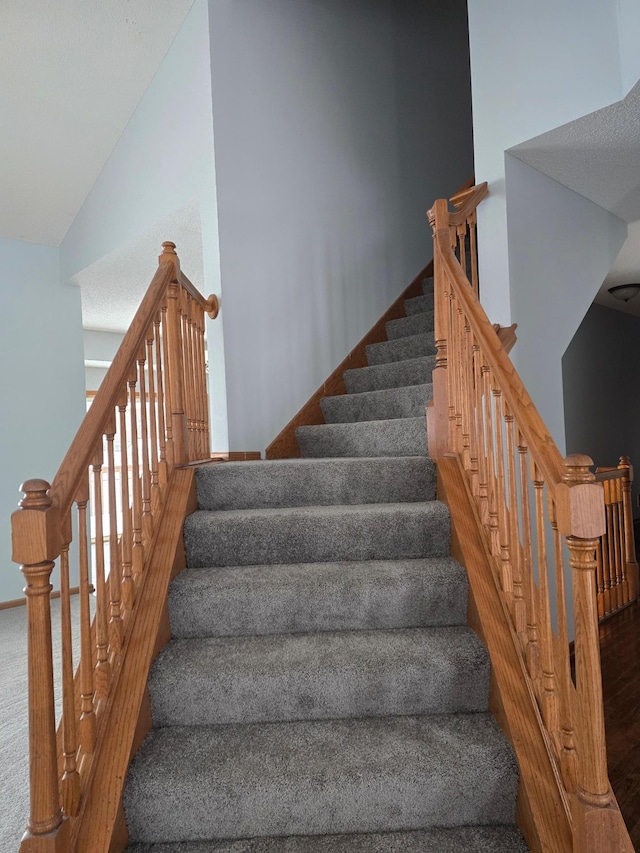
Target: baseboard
20,602
237,455
285,446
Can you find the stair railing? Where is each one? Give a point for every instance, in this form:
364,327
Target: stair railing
616,565
149,416
536,508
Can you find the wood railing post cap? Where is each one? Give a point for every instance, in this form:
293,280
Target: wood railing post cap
213,306
577,469
35,527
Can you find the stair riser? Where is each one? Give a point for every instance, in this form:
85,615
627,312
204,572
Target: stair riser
377,405
416,346
310,482
262,600
319,677
405,327
284,779
399,532
400,437
398,374
418,305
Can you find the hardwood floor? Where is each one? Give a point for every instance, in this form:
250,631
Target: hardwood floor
620,655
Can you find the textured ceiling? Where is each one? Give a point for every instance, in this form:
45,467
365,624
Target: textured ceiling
72,74
598,156
112,288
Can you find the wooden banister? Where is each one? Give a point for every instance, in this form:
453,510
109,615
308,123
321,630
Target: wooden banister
149,417
533,506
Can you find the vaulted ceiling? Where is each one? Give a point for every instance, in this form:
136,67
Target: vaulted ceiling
72,74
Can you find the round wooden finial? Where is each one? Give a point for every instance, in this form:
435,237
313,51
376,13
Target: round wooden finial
213,306
35,495
577,469
625,462
168,248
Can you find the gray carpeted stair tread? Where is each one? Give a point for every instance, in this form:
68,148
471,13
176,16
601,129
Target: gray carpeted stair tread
386,404
339,596
395,374
317,482
306,778
405,327
427,286
418,305
316,534
464,839
415,346
397,437
329,675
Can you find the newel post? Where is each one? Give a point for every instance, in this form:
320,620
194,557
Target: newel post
581,518
438,409
36,537
175,361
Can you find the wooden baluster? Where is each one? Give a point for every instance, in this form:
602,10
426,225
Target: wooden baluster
147,517
127,588
175,363
533,644
188,372
617,542
483,488
201,383
204,385
137,550
465,402
471,414
494,536
607,571
167,396
473,251
36,539
438,410
155,479
163,473
102,678
451,370
462,254
70,782
611,548
629,543
519,605
581,520
506,568
567,741
458,322
87,727
548,698
600,578
116,628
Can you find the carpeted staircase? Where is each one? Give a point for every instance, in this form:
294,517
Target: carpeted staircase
322,693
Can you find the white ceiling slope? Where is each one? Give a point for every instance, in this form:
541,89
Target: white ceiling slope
72,75
598,156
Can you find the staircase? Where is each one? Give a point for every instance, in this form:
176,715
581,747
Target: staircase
322,693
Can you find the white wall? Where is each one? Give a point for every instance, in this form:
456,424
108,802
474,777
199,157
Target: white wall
557,262
629,28
41,382
313,250
601,374
163,160
534,66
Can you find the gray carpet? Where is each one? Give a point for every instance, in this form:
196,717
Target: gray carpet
322,692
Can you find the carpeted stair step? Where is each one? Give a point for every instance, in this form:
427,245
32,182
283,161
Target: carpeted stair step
418,305
405,327
387,404
340,596
396,374
398,437
464,839
316,534
324,676
313,778
315,482
399,349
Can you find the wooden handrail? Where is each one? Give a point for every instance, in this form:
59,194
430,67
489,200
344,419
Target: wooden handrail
148,419
532,505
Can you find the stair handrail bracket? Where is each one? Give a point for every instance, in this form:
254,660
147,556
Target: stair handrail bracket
98,521
534,506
